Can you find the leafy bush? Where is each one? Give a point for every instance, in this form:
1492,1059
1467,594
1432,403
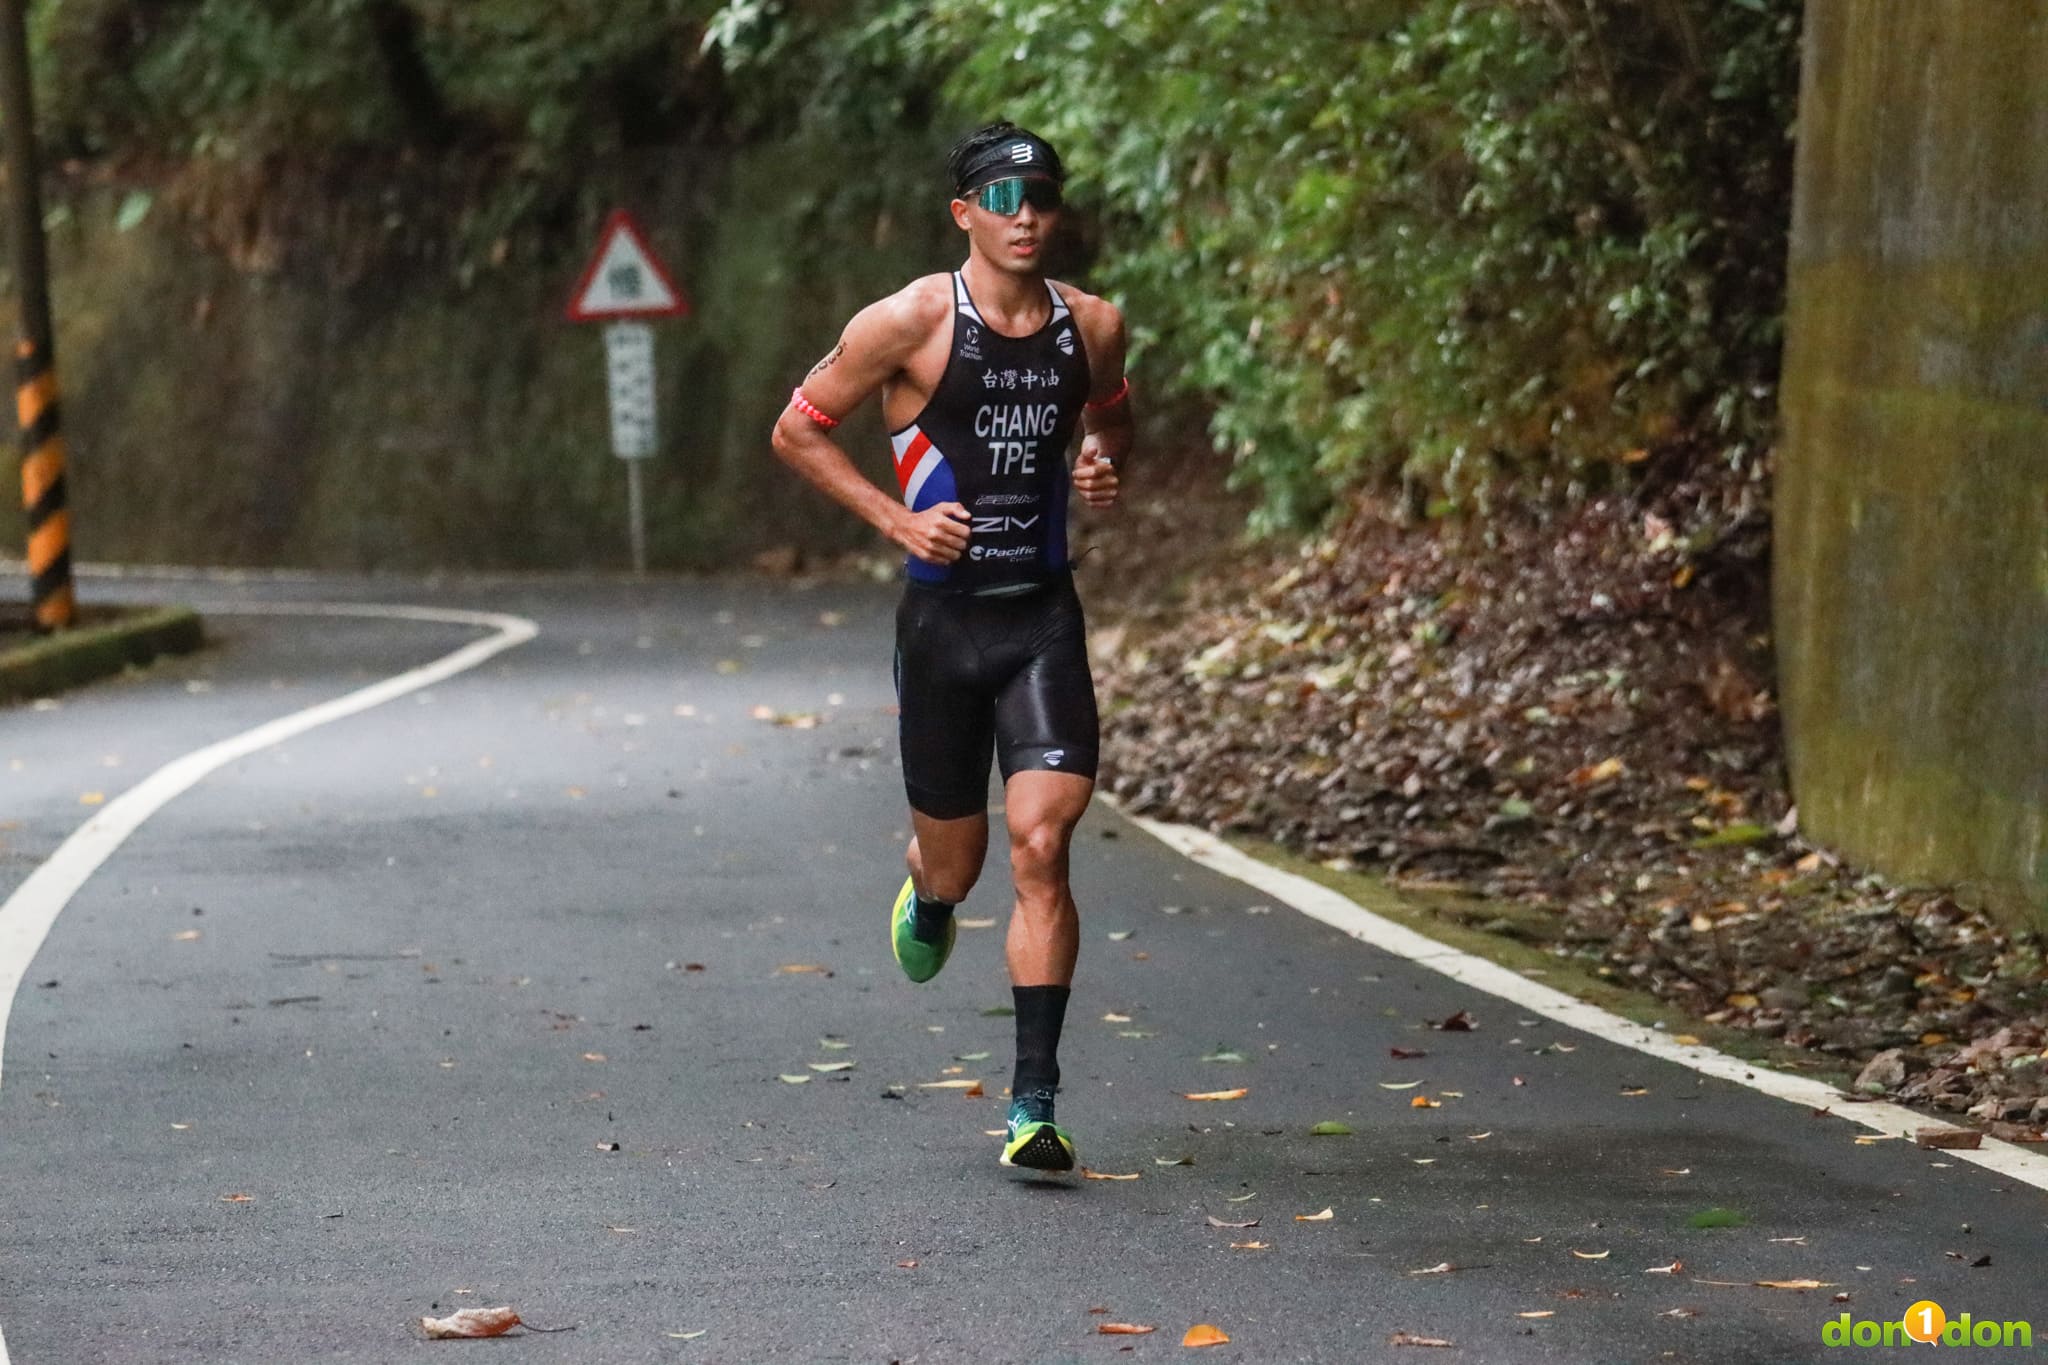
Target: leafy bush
1435,241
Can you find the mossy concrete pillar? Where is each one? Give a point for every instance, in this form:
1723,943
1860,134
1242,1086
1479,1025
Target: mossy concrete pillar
1911,570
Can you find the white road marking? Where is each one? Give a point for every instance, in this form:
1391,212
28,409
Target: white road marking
28,915
1341,912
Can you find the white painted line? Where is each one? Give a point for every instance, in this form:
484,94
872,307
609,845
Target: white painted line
1341,912
27,916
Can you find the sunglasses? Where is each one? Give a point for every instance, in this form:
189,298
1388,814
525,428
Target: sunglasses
1006,197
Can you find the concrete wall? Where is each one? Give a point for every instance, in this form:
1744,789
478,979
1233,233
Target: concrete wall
1912,494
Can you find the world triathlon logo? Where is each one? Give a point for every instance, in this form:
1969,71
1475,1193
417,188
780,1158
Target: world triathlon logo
1927,1323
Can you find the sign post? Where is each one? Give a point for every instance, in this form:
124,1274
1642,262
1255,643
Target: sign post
626,285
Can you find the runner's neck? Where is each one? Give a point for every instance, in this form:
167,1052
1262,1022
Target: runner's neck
1013,304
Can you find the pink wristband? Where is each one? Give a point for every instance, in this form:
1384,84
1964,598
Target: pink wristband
1123,391
811,410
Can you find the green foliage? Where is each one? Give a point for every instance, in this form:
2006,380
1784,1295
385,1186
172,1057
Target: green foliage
1430,242
1434,241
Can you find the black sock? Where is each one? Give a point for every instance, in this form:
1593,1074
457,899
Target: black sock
928,923
1040,1012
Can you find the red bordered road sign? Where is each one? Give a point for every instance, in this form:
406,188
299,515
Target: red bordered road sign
625,279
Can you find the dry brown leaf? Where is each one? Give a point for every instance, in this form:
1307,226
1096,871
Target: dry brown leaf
594,1057
1948,1139
1325,1216
472,1322
1123,1329
906,1265
1793,1284
949,1085
1425,1102
238,1199
1409,1339
1216,1222
1236,1094
1250,1246
1204,1334
1539,1313
1087,1174
1671,1269
973,1092
794,968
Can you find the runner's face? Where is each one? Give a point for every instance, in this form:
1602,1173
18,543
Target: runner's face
1013,241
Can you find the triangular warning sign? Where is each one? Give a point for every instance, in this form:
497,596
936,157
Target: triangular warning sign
625,279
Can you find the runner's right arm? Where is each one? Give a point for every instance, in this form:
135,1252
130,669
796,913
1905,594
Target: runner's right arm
873,350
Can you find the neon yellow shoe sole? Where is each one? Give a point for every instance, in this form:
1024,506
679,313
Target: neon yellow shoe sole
919,960
1039,1147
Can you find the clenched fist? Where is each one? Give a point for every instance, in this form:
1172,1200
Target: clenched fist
937,535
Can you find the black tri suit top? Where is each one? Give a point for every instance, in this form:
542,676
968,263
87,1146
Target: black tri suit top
991,650
994,438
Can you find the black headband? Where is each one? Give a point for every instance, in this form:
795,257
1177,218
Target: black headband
1020,154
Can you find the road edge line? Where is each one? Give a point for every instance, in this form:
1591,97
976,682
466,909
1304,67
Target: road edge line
27,916
1342,913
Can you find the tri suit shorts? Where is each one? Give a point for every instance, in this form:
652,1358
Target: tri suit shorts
990,676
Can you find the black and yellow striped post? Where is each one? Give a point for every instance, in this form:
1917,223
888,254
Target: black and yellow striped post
42,444
42,490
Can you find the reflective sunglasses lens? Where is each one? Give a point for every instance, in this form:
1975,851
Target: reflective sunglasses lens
1004,197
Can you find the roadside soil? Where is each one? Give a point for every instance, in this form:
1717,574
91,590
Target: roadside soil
1561,726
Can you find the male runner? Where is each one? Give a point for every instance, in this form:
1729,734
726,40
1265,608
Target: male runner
985,373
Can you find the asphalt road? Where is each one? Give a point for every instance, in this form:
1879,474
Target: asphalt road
342,1035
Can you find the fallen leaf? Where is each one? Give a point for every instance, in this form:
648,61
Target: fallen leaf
906,1265
832,1066
472,1322
1461,1022
796,968
1123,1329
1679,1313
1591,1255
1441,1268
955,1084
608,1147
973,1092
594,1057
972,1057
1399,1085
1237,1198
1251,1246
1407,1339
1425,1102
1406,1054
187,936
1224,1056
1671,1269
92,798
1634,1090
1119,935
1948,1139
1325,1216
1114,1018
1479,1137
1173,1161
1539,1313
1236,1094
1330,1128
840,1045
789,1078
1424,1160
238,1199
975,923
1203,1334
1087,1174
1792,1284
1216,1222
1685,1040
686,1336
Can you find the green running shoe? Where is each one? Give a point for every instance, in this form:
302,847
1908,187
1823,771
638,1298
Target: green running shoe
919,960
1034,1141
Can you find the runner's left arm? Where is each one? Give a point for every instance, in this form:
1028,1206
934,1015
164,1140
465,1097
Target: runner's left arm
1106,422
